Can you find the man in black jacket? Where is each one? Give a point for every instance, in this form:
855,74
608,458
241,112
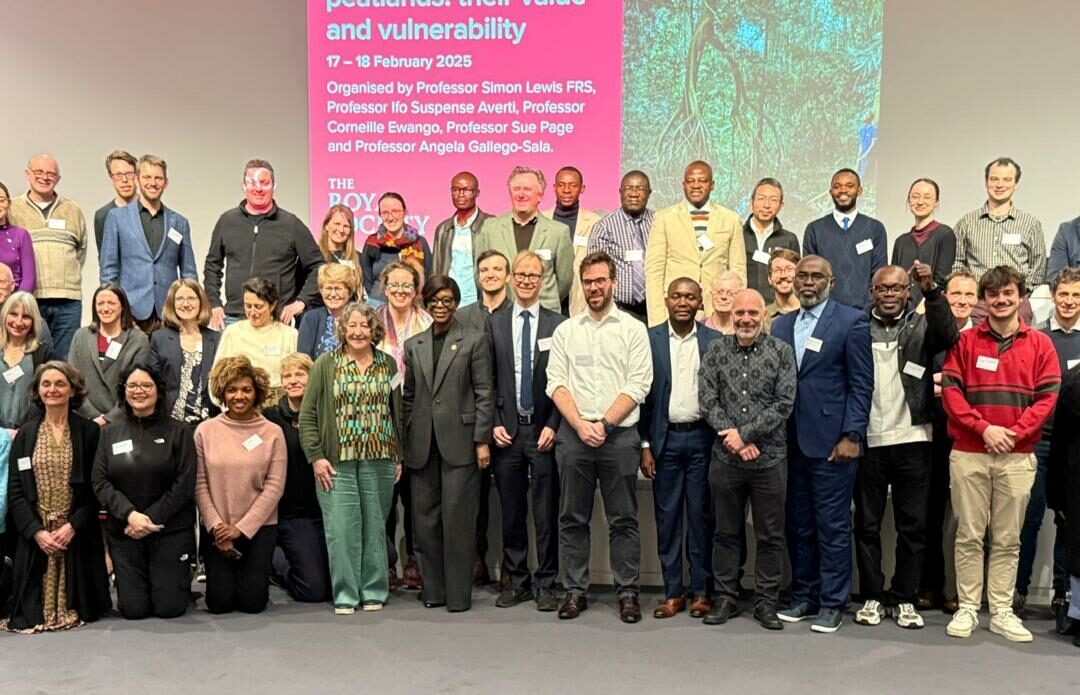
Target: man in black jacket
259,239
763,233
898,438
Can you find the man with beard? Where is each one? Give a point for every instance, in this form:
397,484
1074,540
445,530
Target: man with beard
122,168
763,234
898,439
826,431
782,264
599,372
854,244
748,384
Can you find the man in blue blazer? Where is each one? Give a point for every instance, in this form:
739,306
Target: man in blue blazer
826,433
675,447
146,246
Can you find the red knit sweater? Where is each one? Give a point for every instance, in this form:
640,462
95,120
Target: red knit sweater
1019,394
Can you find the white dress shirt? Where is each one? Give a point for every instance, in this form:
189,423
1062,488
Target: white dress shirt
839,217
518,323
761,235
685,365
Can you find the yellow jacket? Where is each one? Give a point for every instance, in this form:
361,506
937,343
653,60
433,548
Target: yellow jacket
585,221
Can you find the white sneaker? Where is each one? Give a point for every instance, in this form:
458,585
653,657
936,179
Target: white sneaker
871,613
1006,624
907,617
963,623
344,610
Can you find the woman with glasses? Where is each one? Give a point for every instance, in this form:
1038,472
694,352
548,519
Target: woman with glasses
393,241
725,286
23,353
338,243
928,241
448,411
144,475
318,328
182,352
16,248
261,337
402,318
103,350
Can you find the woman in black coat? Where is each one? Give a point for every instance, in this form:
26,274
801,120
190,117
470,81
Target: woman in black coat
1063,481
59,574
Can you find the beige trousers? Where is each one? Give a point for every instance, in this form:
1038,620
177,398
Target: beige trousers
989,491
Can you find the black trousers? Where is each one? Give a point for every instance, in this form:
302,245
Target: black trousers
402,491
766,491
937,500
153,575
305,564
513,466
444,517
906,468
244,584
483,516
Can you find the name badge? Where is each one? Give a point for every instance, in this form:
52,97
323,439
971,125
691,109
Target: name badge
705,242
990,364
1012,239
633,255
251,442
396,380
345,262
545,254
113,351
159,441
1071,363
813,344
543,344
761,257
915,370
57,224
175,236
14,374
864,246
583,360
582,241
24,463
124,447
272,350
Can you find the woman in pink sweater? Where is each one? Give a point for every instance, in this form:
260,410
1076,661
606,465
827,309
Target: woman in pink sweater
239,480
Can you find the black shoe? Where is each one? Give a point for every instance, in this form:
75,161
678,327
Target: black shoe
630,609
1076,640
722,611
573,606
512,597
765,614
1060,608
546,601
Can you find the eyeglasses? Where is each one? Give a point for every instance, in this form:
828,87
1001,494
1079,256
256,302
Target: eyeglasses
816,277
599,282
333,289
889,289
391,214
442,301
123,176
725,293
45,175
400,286
145,388
527,277
462,191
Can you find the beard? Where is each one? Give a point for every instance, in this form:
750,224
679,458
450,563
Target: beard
811,302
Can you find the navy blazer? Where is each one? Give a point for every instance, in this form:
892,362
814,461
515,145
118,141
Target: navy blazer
836,383
145,273
167,357
653,425
500,331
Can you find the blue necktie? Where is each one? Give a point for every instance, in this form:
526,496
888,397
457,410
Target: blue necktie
847,222
526,364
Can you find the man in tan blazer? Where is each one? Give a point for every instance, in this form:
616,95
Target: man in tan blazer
569,185
525,228
693,238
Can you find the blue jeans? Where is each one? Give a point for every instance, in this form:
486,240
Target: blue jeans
682,485
64,317
1029,534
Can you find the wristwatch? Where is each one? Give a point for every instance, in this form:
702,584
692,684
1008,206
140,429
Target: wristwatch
854,436
608,427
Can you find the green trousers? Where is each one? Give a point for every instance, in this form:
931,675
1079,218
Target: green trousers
354,516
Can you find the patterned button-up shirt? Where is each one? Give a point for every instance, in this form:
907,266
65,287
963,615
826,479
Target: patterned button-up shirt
1016,239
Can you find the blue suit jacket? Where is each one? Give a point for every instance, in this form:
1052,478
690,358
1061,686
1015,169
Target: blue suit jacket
653,424
835,383
145,274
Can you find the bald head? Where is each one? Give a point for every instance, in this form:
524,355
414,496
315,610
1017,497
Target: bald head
748,314
42,173
464,190
890,291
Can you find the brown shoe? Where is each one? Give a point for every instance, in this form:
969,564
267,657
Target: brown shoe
950,606
395,582
629,609
412,576
699,607
668,608
924,601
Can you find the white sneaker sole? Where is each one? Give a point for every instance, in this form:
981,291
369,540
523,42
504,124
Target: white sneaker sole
824,629
910,625
869,622
371,607
344,611
1012,637
795,618
958,632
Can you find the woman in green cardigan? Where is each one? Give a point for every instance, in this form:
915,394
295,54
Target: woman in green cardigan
350,421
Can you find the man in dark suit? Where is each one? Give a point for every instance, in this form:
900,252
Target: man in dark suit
826,433
524,434
452,252
675,444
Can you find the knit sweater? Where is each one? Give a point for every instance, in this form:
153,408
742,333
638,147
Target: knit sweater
240,473
264,346
1015,387
852,262
59,245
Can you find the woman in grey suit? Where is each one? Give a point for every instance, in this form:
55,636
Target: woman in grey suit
448,411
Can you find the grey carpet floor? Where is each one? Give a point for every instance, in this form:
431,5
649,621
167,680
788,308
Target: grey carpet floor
405,649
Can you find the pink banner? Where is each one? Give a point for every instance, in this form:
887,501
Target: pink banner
403,94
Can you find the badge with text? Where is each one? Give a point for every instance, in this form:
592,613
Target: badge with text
633,255
272,351
251,442
813,344
14,374
583,360
113,351
990,364
1012,239
582,241
761,257
57,224
175,236
543,344
864,246
705,242
545,254
124,447
395,381
914,369
24,463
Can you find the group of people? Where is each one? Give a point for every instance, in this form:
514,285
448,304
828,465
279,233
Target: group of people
267,435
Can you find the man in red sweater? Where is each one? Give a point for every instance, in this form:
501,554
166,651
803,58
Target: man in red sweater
999,384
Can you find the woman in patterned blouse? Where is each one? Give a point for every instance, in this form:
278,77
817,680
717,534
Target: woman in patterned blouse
349,429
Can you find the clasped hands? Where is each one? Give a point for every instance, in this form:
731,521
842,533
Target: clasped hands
734,444
225,536
53,542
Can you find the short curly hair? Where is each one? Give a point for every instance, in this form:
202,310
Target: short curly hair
378,330
78,384
230,369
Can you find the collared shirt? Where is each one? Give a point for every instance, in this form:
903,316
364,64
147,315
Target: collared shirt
624,238
153,225
518,323
461,259
685,364
761,236
598,360
805,323
1055,326
984,241
839,217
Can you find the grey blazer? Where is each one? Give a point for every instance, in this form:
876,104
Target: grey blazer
453,398
101,376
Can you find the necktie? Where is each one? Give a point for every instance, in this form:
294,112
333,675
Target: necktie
526,364
847,222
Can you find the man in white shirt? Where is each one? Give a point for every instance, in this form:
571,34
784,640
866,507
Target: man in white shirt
599,373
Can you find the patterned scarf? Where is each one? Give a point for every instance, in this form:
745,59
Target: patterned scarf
407,245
